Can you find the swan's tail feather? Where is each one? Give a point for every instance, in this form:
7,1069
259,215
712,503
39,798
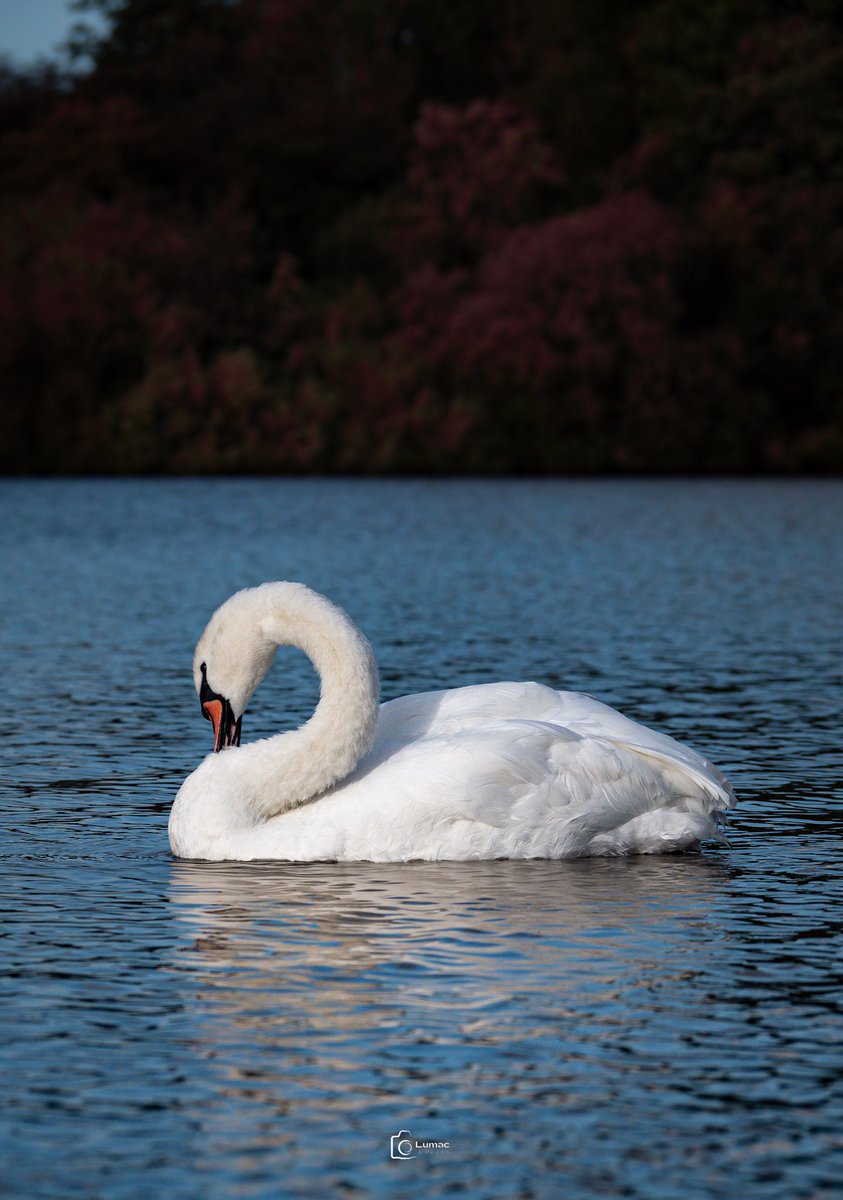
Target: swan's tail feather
661,831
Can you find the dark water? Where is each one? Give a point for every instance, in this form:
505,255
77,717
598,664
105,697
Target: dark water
641,1028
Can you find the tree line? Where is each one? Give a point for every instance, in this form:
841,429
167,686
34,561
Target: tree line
403,235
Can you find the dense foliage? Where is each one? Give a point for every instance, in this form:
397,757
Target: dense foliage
388,235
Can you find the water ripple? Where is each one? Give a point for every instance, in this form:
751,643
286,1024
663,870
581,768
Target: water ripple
640,1028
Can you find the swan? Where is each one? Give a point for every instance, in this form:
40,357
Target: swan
499,770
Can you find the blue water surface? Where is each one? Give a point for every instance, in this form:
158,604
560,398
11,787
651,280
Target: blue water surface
645,1028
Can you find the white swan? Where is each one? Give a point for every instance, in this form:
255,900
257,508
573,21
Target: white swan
499,770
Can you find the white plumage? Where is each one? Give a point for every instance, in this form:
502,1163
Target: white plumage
501,770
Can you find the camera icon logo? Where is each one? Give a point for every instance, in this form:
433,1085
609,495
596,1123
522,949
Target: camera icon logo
401,1145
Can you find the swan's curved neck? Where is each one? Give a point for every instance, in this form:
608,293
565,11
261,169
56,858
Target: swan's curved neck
291,768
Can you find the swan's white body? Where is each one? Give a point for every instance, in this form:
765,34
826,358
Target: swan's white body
502,770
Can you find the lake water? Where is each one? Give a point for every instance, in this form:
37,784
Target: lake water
645,1028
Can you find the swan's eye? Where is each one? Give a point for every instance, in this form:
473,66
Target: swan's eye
206,693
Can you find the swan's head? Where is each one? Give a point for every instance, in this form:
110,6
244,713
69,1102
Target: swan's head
231,658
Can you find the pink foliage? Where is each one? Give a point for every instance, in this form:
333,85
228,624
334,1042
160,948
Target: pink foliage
474,172
571,300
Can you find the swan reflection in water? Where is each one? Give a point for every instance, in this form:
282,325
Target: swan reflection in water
362,969
451,999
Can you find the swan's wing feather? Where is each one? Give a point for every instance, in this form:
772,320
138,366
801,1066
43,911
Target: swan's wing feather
481,774
470,786
516,772
462,710
592,718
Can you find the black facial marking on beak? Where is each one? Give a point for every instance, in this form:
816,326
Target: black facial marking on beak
217,709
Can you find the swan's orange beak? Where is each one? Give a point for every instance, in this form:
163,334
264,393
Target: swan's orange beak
218,711
226,729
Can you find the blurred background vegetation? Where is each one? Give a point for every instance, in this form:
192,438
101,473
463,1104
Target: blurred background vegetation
412,235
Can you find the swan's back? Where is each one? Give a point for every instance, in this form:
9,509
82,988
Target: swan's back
460,710
508,770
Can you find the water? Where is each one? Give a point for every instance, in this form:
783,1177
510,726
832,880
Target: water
640,1028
